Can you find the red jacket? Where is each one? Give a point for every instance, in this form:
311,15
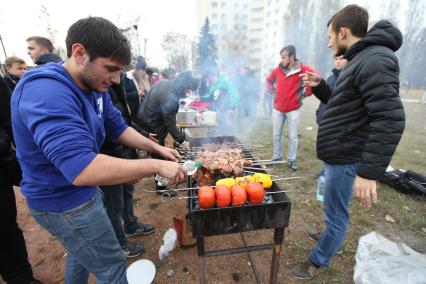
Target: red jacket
288,87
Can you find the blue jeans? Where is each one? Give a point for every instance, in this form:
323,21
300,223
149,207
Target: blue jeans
339,182
129,218
278,119
87,235
114,204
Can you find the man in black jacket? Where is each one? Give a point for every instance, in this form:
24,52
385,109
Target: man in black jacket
361,126
157,113
118,199
14,264
40,49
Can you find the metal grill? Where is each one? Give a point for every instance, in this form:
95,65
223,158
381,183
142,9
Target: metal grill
274,214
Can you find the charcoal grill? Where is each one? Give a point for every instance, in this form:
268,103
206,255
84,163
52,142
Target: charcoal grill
237,219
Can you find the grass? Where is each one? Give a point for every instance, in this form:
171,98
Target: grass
406,210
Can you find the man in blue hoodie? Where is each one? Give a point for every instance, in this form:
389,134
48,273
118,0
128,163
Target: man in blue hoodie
61,114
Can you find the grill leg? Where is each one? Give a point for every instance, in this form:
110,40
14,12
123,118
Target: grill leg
278,240
201,260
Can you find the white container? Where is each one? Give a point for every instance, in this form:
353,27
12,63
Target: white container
206,117
186,117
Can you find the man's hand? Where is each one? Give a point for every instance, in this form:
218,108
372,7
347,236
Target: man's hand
153,137
169,154
365,191
174,172
310,79
184,144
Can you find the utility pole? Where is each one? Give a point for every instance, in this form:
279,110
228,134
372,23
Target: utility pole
144,47
4,49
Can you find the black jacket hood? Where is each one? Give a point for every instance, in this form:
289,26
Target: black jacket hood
48,57
382,33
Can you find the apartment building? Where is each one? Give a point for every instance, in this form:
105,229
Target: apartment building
249,32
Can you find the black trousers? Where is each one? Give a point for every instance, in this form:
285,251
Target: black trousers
14,265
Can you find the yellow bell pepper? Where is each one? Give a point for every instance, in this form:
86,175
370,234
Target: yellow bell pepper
243,181
228,182
264,179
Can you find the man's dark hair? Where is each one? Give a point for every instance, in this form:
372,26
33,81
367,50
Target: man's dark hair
140,63
100,38
42,41
353,17
290,49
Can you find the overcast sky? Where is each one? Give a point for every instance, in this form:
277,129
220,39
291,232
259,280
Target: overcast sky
21,19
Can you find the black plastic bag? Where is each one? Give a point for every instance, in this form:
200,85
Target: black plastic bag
405,181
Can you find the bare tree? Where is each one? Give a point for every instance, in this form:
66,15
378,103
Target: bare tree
45,23
178,50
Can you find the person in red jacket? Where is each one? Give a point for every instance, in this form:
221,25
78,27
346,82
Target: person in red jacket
285,83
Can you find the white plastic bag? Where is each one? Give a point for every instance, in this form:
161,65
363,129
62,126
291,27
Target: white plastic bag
170,239
379,260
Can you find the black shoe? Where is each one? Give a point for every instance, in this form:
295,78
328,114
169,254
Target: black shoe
306,270
163,190
315,236
142,229
131,249
293,165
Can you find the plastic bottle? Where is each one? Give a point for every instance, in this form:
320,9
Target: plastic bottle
191,166
320,188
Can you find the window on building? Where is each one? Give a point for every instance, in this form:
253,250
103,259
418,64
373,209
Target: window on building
223,5
214,5
214,16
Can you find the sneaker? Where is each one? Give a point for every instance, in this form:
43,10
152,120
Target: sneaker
305,270
162,189
315,236
142,229
131,249
293,165
276,160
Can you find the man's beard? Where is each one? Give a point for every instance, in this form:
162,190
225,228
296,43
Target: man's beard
340,49
86,77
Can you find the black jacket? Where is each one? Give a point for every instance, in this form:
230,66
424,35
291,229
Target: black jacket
7,85
331,82
111,147
364,119
157,112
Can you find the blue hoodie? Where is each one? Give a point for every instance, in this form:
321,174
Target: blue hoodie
59,129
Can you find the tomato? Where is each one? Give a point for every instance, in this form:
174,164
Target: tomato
255,192
239,195
206,197
223,196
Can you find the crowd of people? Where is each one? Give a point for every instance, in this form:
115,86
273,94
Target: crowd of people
76,125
